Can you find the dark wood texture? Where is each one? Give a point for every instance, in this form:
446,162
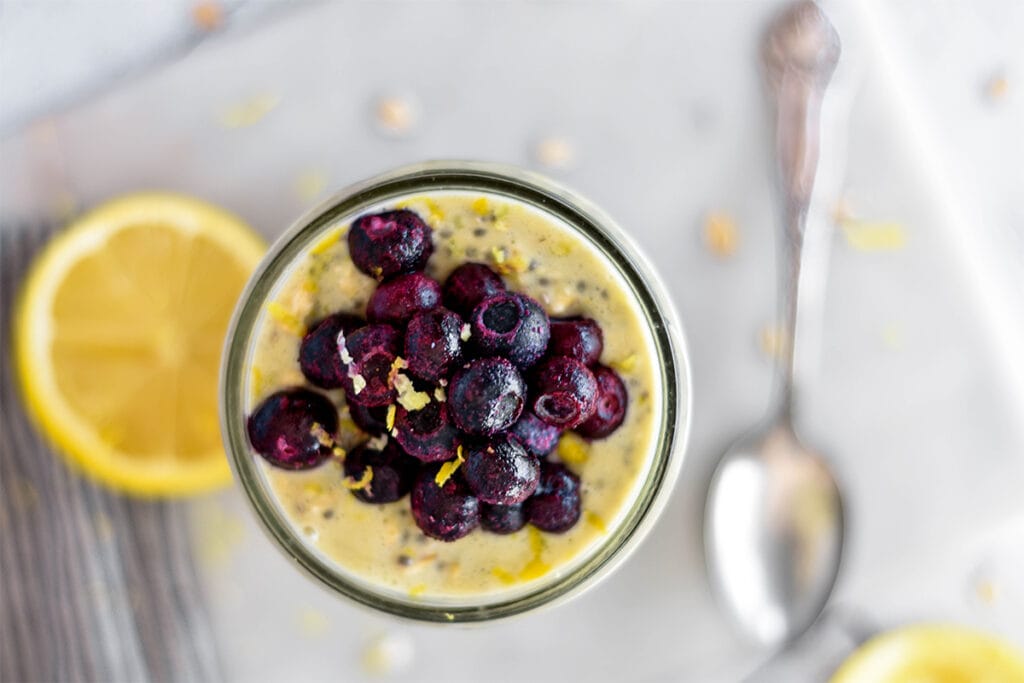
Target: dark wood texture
93,586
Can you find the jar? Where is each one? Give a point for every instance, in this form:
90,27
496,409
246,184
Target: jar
593,225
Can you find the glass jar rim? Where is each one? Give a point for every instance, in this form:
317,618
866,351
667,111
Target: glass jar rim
593,225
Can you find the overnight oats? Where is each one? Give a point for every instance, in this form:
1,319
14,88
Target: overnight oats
451,395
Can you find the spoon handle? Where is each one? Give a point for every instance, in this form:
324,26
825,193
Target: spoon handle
800,53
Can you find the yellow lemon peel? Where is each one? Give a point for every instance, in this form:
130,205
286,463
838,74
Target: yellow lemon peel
573,449
449,468
363,482
286,318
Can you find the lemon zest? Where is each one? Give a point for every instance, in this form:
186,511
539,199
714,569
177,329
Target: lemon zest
595,520
626,364
534,569
396,365
505,576
537,542
449,468
332,238
466,332
417,590
408,397
321,435
285,318
257,381
561,248
439,395
363,482
573,449
497,255
389,418
481,206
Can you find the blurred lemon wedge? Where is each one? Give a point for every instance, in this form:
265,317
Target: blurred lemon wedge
933,654
118,335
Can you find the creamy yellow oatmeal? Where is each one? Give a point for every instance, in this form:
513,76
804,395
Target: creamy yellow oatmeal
537,255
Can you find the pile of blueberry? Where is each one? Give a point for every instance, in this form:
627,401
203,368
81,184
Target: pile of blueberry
474,384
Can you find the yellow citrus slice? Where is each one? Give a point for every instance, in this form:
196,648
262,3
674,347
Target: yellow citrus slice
933,654
118,337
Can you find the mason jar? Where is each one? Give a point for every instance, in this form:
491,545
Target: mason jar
670,368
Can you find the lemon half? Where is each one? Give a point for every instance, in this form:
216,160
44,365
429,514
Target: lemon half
933,654
118,335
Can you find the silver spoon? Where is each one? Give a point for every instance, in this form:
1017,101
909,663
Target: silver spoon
773,521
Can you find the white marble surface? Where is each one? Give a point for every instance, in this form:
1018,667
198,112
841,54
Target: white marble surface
916,390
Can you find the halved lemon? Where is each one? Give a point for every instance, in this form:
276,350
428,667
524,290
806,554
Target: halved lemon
118,336
933,654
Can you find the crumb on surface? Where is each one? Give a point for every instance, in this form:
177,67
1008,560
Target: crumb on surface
219,533
249,111
875,236
772,339
986,591
208,15
388,654
997,87
395,115
312,622
721,237
554,152
310,183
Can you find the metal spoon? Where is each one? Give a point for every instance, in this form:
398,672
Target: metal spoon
773,523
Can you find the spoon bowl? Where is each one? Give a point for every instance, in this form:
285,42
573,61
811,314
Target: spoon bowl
774,534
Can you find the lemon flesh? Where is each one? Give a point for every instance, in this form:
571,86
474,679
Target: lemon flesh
933,654
118,336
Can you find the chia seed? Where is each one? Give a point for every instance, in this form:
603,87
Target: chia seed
479,232
581,286
404,561
328,513
544,282
445,234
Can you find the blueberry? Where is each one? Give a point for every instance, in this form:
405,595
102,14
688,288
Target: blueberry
402,297
433,343
468,285
611,405
446,512
555,506
511,325
367,355
294,429
579,338
385,244
486,396
502,519
373,421
564,392
534,434
318,353
427,434
393,472
500,471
